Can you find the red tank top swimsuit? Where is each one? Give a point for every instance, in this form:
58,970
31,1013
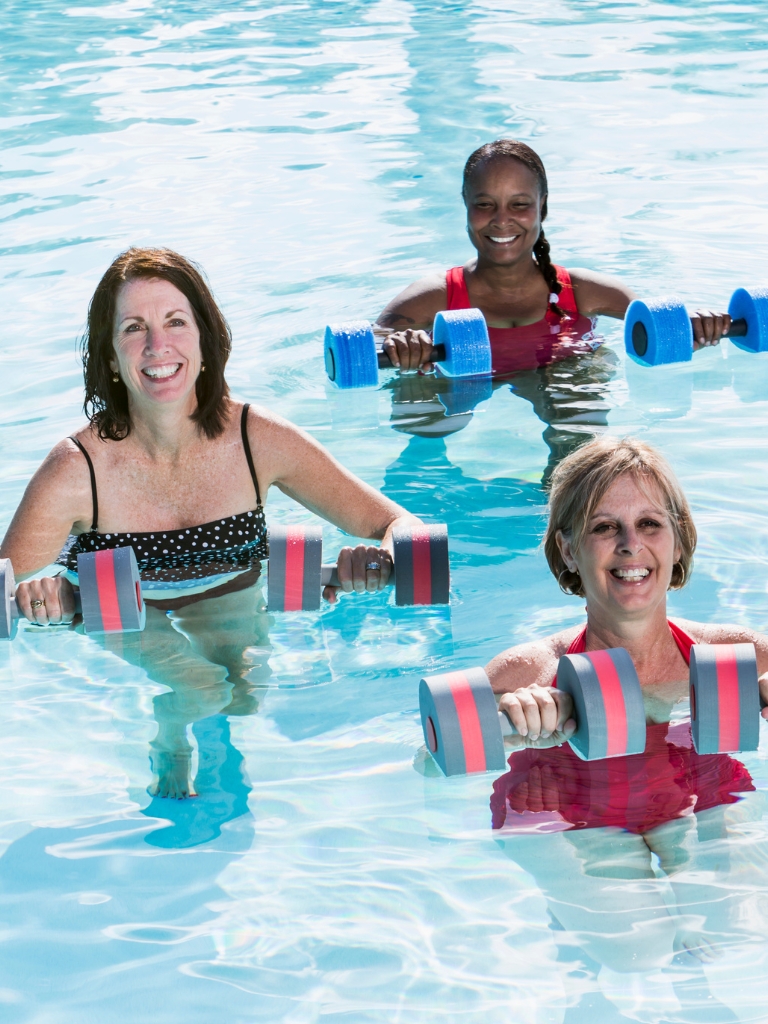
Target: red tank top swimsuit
547,341
636,793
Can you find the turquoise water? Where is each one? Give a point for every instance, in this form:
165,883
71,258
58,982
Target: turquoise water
309,156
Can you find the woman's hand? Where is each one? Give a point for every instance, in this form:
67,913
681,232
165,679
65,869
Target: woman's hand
409,350
541,715
48,601
364,569
709,328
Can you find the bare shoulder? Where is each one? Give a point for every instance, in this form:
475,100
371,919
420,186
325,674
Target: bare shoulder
722,633
531,664
600,294
64,470
416,305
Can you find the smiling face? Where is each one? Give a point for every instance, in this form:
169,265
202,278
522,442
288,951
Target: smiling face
503,210
627,552
156,342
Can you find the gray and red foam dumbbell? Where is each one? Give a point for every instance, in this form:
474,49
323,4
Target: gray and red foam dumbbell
725,698
464,729
460,346
108,596
660,331
297,575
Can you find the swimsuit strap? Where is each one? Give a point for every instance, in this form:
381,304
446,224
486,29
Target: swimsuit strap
579,643
566,300
247,447
456,289
95,523
683,641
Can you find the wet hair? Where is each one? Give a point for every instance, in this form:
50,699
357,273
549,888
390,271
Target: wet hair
106,400
514,150
582,479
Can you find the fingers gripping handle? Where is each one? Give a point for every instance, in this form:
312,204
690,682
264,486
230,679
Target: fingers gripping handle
436,355
329,577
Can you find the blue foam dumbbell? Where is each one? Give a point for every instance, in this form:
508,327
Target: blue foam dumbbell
660,331
461,348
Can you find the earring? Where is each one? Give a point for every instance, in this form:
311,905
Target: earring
115,378
202,367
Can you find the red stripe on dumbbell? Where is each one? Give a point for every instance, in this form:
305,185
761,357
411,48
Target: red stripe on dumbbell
109,606
728,703
613,701
422,567
469,721
293,597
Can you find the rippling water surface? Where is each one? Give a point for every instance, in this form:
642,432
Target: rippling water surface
309,156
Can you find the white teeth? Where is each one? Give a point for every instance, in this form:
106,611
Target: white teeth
158,372
511,238
631,574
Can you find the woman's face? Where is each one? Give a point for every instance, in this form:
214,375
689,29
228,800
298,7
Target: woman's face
156,341
503,210
627,553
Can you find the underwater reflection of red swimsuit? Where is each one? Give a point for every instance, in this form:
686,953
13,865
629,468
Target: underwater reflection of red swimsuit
547,341
635,793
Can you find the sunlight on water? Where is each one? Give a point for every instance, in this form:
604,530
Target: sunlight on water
309,156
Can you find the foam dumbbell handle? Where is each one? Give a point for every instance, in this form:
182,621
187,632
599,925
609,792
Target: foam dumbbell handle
436,355
608,703
750,309
421,570
460,720
725,698
110,591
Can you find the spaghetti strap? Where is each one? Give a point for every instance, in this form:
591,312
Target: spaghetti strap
247,448
95,523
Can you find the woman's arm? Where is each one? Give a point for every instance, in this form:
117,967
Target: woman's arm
601,295
303,469
523,676
57,502
408,318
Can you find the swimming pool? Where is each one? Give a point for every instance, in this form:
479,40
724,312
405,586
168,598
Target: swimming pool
309,156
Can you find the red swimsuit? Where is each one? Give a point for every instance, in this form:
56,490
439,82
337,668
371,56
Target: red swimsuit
547,341
636,793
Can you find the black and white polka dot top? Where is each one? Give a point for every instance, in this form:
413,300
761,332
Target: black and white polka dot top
195,553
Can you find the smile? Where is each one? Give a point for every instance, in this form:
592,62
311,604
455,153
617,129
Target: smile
630,574
161,372
504,241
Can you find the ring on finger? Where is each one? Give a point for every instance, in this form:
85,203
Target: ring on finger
36,604
373,567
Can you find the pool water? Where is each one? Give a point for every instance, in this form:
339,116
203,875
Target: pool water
309,155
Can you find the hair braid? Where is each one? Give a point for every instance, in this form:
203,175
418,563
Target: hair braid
548,272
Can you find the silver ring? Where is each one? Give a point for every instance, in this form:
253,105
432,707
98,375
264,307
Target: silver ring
373,567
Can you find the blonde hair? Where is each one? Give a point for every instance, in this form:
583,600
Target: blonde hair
581,480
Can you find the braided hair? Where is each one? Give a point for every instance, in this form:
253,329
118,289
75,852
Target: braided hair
525,155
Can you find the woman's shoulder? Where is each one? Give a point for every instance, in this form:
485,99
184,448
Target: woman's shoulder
599,294
416,305
721,633
532,663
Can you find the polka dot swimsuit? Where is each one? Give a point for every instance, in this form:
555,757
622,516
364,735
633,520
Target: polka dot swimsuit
221,546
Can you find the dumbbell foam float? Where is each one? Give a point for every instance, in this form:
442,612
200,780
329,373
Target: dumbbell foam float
297,575
460,347
661,332
464,729
109,595
725,698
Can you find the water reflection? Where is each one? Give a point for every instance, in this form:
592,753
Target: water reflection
649,863
571,397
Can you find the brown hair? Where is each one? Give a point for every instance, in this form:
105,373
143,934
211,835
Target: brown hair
512,149
106,401
581,480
